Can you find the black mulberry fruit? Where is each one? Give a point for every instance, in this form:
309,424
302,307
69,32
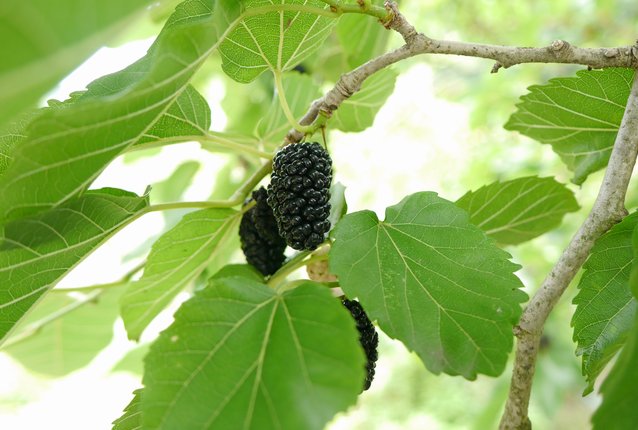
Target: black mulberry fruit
299,194
367,337
260,240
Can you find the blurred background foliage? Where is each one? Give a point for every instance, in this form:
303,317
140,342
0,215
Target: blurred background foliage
440,130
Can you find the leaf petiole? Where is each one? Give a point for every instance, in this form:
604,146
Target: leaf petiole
281,95
293,264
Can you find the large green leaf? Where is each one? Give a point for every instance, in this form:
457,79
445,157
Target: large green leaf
36,252
42,41
276,41
132,418
69,342
240,355
515,211
618,410
605,307
69,144
578,116
300,91
358,112
177,258
433,281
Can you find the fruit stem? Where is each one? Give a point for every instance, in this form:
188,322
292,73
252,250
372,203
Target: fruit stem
236,199
209,140
293,264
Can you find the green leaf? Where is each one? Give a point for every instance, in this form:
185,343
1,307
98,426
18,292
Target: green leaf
43,41
132,418
358,112
177,258
69,144
277,40
35,253
618,410
240,355
11,135
605,308
188,116
69,342
578,116
433,281
519,210
300,91
361,37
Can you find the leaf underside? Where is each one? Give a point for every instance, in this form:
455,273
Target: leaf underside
36,252
69,342
176,258
275,41
70,143
578,116
605,307
515,211
618,410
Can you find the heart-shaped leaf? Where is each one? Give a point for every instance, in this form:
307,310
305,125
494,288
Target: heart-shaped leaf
240,355
432,280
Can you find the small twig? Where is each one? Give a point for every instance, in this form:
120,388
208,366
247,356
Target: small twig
608,209
297,262
418,44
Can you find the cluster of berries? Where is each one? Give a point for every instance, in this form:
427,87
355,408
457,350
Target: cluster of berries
295,209
294,212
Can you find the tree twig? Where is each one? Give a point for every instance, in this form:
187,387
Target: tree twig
417,43
608,209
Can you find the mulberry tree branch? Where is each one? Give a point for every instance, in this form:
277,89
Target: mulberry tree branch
417,43
608,209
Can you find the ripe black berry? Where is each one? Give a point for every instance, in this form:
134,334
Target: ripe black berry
260,240
299,194
367,337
